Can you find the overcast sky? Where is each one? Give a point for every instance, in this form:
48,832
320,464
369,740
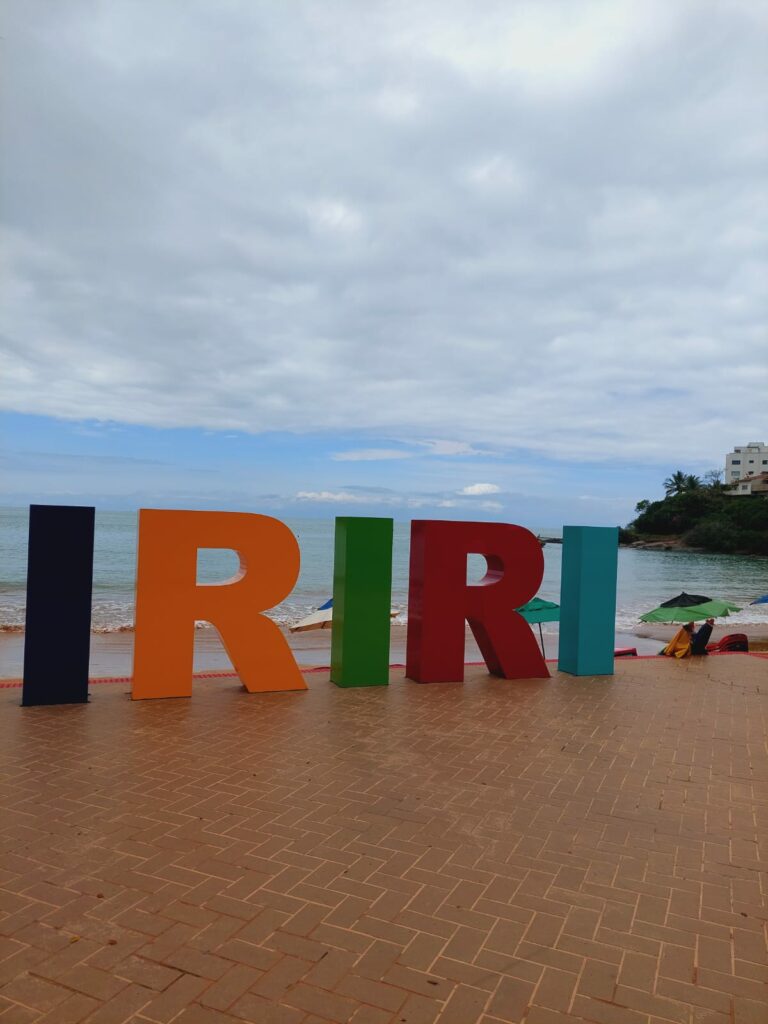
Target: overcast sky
497,259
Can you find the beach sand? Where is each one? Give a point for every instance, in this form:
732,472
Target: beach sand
112,653
484,851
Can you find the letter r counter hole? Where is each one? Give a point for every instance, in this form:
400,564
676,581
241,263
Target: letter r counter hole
217,566
481,571
477,567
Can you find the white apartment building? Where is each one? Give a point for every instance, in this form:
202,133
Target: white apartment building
749,460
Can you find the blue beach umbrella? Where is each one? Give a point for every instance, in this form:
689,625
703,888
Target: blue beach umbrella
760,600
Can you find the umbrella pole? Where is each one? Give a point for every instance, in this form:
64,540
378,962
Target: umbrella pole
541,635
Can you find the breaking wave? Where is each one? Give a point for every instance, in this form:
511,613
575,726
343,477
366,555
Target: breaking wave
118,617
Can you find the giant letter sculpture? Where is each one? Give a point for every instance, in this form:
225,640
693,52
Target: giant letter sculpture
57,636
362,594
169,600
588,600
439,600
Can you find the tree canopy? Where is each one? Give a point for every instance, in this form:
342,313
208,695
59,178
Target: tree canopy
681,482
703,515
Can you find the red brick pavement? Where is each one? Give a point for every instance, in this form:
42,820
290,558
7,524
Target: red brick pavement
548,852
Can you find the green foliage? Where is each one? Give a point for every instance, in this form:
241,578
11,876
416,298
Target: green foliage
675,514
707,517
720,535
712,535
680,483
675,484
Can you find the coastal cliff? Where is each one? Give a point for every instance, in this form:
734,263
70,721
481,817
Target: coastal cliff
700,517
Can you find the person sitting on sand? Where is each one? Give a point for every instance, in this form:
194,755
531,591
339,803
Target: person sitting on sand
701,637
680,644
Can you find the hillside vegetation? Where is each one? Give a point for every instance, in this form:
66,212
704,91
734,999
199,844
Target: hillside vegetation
702,514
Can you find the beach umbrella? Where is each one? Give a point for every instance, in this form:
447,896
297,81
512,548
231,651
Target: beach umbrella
760,600
685,601
537,611
321,619
711,609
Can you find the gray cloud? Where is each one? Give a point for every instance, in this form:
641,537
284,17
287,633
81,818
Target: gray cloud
541,228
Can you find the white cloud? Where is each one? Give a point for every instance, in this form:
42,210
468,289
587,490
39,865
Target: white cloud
472,489
397,104
394,500
335,497
321,229
498,172
111,481
334,215
443,447
371,455
422,449
549,49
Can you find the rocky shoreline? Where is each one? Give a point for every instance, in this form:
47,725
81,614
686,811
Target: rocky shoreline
677,544
661,544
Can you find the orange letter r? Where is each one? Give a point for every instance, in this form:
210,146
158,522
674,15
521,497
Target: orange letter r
169,600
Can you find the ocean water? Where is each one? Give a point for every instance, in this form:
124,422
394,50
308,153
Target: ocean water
645,578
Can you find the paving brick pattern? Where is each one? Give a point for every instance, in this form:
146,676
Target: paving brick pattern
547,852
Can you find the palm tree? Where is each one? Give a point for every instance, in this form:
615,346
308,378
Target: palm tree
676,484
680,483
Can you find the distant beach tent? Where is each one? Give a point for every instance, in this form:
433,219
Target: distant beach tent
321,619
689,608
760,600
537,611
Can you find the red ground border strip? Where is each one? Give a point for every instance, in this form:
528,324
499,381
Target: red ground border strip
9,684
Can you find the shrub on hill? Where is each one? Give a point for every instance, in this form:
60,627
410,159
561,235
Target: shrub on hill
707,517
677,513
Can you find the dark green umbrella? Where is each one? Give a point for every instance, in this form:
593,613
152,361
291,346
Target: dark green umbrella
676,613
685,601
538,610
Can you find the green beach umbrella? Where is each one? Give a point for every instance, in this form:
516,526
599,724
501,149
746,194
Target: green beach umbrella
537,611
705,610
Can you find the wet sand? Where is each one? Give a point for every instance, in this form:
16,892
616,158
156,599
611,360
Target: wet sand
112,653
